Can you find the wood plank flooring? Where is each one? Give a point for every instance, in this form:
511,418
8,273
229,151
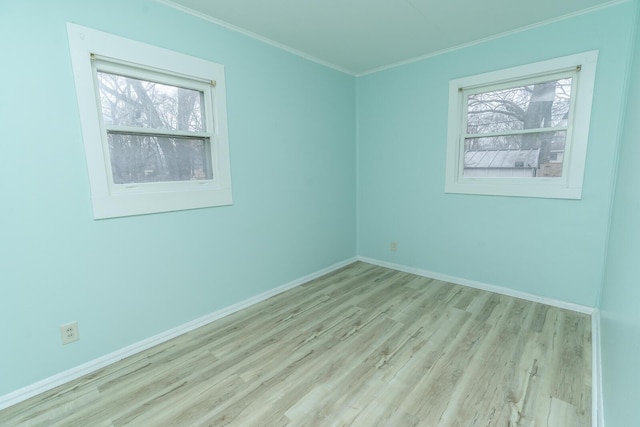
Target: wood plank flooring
363,346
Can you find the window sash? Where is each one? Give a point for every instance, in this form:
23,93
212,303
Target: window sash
122,68
531,79
153,156
570,73
514,132
131,130
465,92
138,71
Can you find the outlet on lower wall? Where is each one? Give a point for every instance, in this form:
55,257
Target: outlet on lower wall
69,332
394,246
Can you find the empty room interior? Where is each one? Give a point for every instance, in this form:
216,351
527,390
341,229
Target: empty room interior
320,213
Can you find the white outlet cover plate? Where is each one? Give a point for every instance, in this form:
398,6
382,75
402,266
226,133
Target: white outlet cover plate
69,332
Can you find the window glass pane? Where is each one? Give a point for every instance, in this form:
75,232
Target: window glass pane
538,154
540,105
127,101
143,158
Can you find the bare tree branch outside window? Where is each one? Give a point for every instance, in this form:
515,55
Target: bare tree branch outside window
530,118
130,103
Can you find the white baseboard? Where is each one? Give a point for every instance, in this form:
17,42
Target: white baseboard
483,286
596,371
101,362
597,415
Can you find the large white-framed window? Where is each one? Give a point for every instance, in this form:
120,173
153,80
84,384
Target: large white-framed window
154,126
521,131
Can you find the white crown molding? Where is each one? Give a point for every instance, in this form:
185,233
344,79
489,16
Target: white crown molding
493,37
106,360
256,36
312,58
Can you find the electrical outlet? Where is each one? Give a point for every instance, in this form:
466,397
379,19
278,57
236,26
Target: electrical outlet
394,246
69,332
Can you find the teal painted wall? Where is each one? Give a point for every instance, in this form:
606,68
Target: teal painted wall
296,185
620,316
551,248
292,132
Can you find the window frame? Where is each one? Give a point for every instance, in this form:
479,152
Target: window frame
105,65
569,186
93,51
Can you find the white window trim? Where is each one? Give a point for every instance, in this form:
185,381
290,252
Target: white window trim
569,186
111,200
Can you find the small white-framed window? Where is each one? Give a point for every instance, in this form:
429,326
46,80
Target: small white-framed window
154,126
521,131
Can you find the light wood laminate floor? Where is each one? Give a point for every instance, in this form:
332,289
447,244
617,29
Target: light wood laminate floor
363,346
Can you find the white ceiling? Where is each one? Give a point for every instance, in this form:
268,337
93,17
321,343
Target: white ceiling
359,36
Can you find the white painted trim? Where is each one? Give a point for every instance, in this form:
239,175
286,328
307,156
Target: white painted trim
108,359
569,186
597,413
483,286
312,58
92,51
490,38
254,36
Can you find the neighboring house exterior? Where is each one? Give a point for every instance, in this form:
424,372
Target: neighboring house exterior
502,163
556,156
